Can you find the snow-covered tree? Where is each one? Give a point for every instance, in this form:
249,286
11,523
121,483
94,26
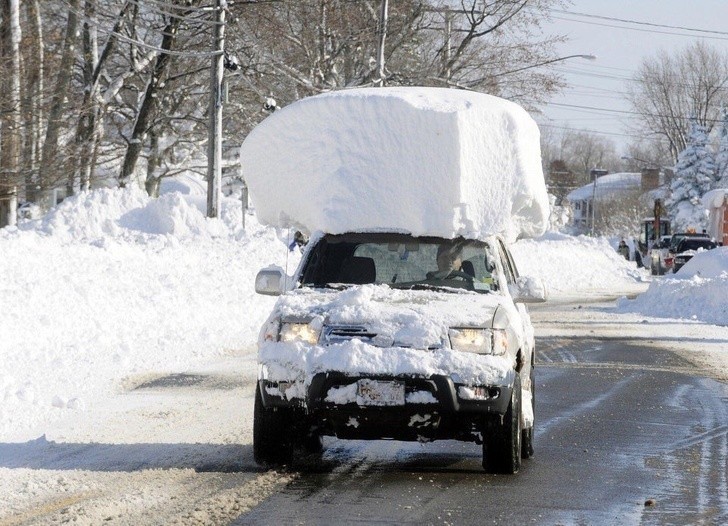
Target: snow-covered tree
694,175
721,156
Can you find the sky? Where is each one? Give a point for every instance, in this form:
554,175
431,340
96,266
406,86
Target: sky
620,48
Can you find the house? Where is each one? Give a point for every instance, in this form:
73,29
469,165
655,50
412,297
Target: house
584,201
716,202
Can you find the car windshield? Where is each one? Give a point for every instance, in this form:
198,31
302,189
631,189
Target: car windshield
400,261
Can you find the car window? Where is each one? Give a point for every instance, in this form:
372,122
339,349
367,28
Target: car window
401,261
508,267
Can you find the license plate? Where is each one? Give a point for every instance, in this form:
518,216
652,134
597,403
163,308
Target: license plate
379,393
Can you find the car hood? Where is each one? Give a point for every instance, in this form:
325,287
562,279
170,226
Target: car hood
401,318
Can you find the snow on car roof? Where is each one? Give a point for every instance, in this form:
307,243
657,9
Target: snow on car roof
429,161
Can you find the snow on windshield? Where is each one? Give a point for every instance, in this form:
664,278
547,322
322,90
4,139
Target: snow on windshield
427,161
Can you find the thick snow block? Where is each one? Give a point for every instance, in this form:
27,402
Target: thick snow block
428,161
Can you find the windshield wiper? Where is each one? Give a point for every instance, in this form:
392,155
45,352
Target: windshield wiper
334,286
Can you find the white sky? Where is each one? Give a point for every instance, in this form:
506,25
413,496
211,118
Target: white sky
620,48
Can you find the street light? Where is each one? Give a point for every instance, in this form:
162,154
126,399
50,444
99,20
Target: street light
545,63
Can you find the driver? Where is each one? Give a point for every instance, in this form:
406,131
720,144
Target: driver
449,258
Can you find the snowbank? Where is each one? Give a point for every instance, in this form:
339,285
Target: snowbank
423,160
698,291
112,284
573,266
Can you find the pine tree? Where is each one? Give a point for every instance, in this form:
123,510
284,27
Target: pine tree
695,174
721,157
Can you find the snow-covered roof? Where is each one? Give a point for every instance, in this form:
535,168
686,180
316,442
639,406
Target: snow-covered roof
430,161
715,198
607,185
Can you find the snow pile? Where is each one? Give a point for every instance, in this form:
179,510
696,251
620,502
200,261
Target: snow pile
427,161
698,291
112,285
127,214
573,266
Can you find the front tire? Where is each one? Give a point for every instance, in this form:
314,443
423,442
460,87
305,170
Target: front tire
527,434
502,438
272,433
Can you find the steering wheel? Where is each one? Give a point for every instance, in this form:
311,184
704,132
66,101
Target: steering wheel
459,274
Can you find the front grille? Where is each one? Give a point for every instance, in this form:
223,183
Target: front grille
344,333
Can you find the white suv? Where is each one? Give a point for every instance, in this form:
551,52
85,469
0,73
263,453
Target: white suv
385,335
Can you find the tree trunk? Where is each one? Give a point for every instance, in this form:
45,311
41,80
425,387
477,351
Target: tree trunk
89,129
49,176
10,123
153,181
32,104
149,102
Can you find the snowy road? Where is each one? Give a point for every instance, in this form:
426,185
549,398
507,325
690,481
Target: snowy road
618,425
622,417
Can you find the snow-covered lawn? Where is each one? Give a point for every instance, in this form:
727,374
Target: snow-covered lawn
113,285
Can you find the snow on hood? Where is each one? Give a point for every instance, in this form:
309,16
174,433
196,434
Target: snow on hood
428,161
401,318
411,318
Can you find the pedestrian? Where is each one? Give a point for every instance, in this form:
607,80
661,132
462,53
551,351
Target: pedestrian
623,249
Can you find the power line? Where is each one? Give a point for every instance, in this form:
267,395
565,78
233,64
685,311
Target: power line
596,132
627,112
639,22
109,32
641,30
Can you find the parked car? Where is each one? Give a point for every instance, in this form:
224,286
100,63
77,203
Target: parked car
658,254
406,340
675,240
688,247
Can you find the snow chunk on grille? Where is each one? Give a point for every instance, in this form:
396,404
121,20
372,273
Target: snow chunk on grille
429,161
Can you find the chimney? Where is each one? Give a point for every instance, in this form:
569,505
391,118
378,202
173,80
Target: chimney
650,179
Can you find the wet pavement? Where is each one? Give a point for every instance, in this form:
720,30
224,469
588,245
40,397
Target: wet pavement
625,434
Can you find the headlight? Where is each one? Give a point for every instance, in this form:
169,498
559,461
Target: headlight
302,332
481,341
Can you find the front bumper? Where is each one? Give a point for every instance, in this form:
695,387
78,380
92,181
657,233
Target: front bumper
448,414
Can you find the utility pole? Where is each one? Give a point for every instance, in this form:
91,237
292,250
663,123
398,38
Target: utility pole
380,44
448,45
214,141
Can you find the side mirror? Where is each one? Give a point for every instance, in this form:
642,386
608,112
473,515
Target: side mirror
270,281
528,290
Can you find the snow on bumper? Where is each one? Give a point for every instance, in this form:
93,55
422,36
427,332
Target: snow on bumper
289,369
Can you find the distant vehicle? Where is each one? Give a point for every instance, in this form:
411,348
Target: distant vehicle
657,255
675,240
687,247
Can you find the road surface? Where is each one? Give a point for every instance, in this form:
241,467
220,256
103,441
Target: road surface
628,432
